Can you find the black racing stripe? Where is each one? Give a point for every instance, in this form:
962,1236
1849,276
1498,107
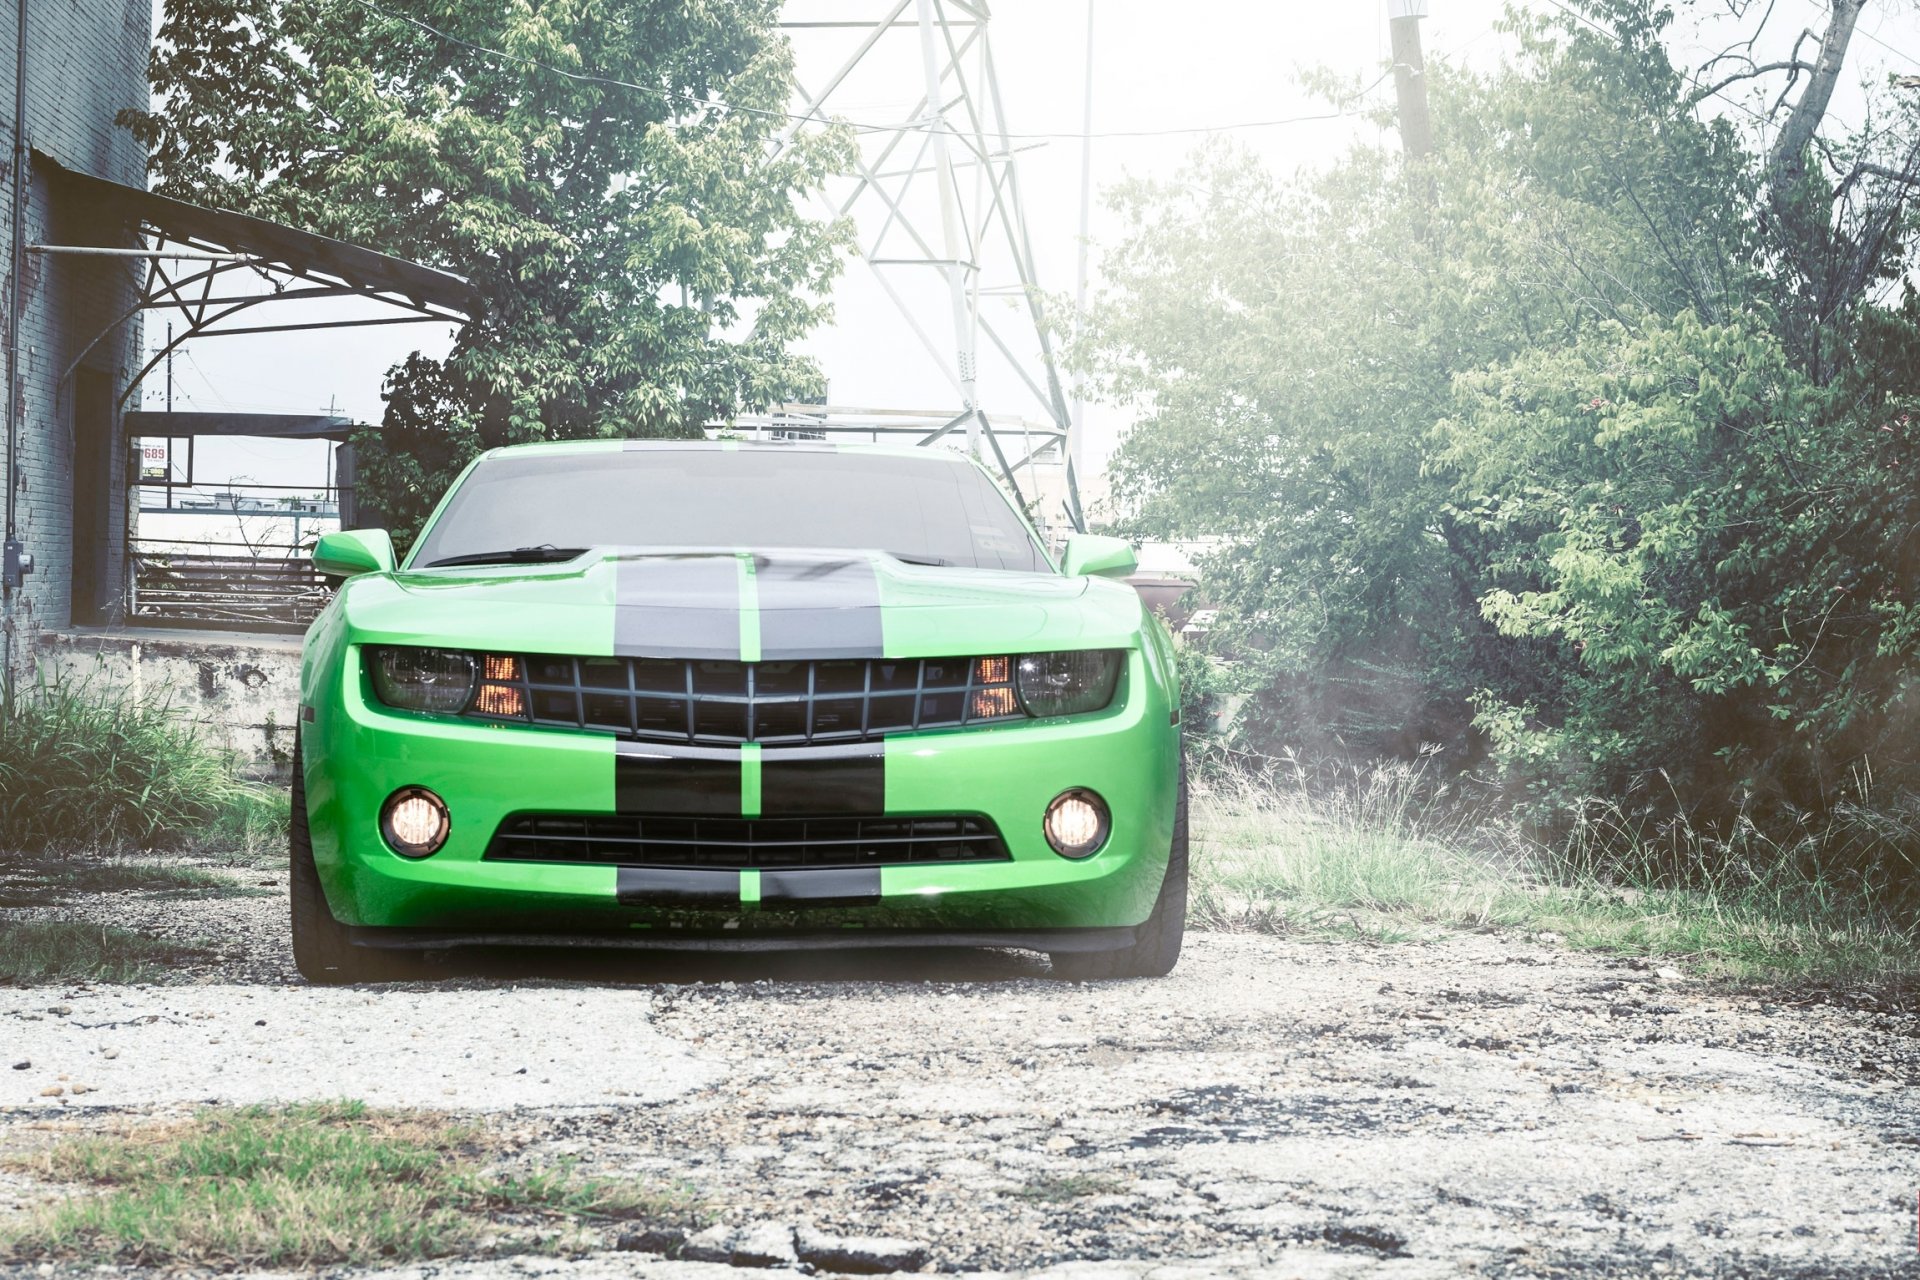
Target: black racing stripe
817,608
850,779
821,887
677,607
679,887
654,778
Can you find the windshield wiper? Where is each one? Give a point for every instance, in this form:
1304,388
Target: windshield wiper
542,554
909,558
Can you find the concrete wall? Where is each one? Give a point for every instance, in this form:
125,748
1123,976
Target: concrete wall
241,692
86,60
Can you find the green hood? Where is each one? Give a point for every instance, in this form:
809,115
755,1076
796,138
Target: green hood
784,604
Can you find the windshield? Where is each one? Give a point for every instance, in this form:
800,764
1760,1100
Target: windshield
931,510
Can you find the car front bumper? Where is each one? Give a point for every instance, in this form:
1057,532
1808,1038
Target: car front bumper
357,753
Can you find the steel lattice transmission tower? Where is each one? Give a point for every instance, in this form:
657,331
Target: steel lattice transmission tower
936,204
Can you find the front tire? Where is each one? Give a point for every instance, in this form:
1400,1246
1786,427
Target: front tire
1156,942
321,949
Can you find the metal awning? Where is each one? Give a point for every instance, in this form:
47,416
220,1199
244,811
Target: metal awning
281,426
271,244
205,245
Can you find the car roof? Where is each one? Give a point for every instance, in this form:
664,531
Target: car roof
728,446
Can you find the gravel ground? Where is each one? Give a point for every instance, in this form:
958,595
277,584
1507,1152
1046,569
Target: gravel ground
1483,1105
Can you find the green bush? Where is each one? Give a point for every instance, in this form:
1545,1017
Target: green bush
1203,685
90,767
1717,544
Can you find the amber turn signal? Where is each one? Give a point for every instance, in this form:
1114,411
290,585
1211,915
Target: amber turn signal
994,702
992,670
500,700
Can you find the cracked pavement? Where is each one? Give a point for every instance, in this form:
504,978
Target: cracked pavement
1476,1105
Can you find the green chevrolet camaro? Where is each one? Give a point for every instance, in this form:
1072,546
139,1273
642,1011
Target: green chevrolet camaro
708,695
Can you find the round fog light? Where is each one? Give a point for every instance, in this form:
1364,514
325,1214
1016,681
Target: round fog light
414,822
1077,823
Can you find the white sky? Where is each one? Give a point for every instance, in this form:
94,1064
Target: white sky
1218,62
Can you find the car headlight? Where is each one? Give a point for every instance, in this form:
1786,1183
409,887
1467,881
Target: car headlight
422,679
1068,683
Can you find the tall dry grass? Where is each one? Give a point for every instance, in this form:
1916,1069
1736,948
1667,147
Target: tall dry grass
1377,852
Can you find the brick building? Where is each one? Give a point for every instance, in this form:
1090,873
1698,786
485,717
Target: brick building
65,474
96,251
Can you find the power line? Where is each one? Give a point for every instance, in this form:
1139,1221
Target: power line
1459,49
1890,48
1862,31
188,353
580,77
1340,113
1614,36
1737,105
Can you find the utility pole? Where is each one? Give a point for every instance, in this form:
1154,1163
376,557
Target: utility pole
169,368
1077,430
1410,78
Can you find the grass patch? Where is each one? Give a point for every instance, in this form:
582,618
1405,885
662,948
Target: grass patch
1060,1188
304,1186
250,827
33,951
1358,859
35,883
85,767
1369,859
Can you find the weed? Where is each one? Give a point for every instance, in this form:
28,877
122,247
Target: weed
36,883
70,950
88,767
1060,1188
307,1186
1371,857
250,827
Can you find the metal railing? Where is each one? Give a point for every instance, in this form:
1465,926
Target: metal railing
187,588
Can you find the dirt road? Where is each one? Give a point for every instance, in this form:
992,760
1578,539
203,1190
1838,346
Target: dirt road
1480,1105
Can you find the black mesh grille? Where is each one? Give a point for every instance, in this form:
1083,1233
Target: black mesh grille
722,703
643,841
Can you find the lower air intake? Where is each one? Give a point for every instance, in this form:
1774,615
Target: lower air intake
744,843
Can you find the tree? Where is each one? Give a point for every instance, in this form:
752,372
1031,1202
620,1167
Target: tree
608,177
1569,453
1835,204
1290,345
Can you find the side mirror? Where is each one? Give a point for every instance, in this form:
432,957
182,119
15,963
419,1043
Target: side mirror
1098,554
351,551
